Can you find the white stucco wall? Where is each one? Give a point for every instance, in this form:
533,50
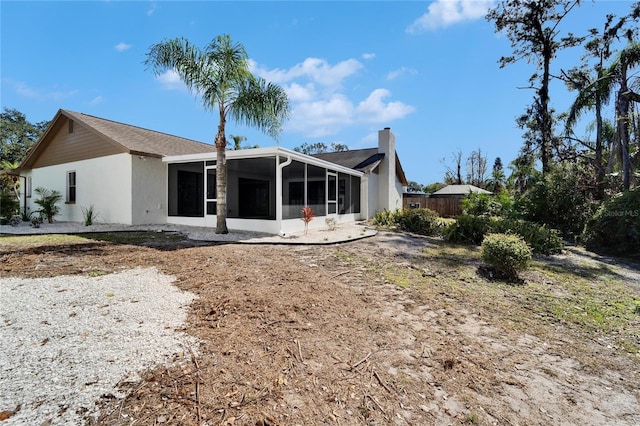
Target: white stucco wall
149,190
372,195
103,182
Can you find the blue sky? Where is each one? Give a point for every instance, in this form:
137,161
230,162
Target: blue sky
429,70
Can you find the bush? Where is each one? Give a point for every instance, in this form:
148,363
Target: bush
89,214
385,218
470,229
506,254
615,227
9,204
541,239
559,201
488,204
419,221
47,202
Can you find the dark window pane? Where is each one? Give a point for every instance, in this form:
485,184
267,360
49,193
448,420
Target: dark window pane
292,190
316,196
186,189
211,184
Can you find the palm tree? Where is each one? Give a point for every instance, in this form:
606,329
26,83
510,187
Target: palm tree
220,74
628,58
237,141
593,93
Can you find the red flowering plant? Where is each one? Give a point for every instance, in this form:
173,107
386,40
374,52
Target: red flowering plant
307,216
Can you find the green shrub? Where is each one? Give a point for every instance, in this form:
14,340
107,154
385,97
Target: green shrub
470,229
385,218
541,239
48,202
558,200
467,229
506,254
615,227
419,221
26,213
89,214
9,204
488,204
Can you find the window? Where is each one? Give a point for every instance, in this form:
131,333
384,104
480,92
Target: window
71,187
211,191
70,126
186,189
27,189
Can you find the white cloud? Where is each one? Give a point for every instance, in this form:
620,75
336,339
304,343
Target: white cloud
170,80
121,47
374,109
316,70
444,13
23,89
368,56
320,105
321,117
401,71
152,8
300,93
97,100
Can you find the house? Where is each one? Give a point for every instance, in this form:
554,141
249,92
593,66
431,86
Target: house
458,191
132,175
385,177
447,202
414,200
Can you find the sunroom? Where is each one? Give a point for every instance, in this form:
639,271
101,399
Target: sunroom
266,190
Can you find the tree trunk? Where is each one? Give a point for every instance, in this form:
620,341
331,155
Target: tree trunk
623,135
599,193
221,179
547,126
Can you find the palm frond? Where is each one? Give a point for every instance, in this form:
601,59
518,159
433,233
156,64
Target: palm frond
261,104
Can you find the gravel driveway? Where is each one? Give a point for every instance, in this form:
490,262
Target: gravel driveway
69,340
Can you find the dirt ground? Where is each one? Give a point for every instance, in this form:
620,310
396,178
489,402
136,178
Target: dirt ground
311,335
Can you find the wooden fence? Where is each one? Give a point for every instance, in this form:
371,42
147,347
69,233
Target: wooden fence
445,207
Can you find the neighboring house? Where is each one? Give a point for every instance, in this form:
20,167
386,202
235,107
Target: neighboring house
134,176
414,200
458,191
447,202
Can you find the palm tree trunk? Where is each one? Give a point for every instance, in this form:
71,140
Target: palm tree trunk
221,179
598,154
622,115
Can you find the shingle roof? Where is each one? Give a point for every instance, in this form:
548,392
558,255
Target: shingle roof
460,190
139,140
362,160
356,159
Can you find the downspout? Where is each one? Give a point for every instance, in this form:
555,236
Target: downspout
279,189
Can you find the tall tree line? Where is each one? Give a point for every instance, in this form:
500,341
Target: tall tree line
535,30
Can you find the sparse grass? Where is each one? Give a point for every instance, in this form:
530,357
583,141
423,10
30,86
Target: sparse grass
43,239
451,254
346,257
471,419
138,238
398,278
95,273
590,299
